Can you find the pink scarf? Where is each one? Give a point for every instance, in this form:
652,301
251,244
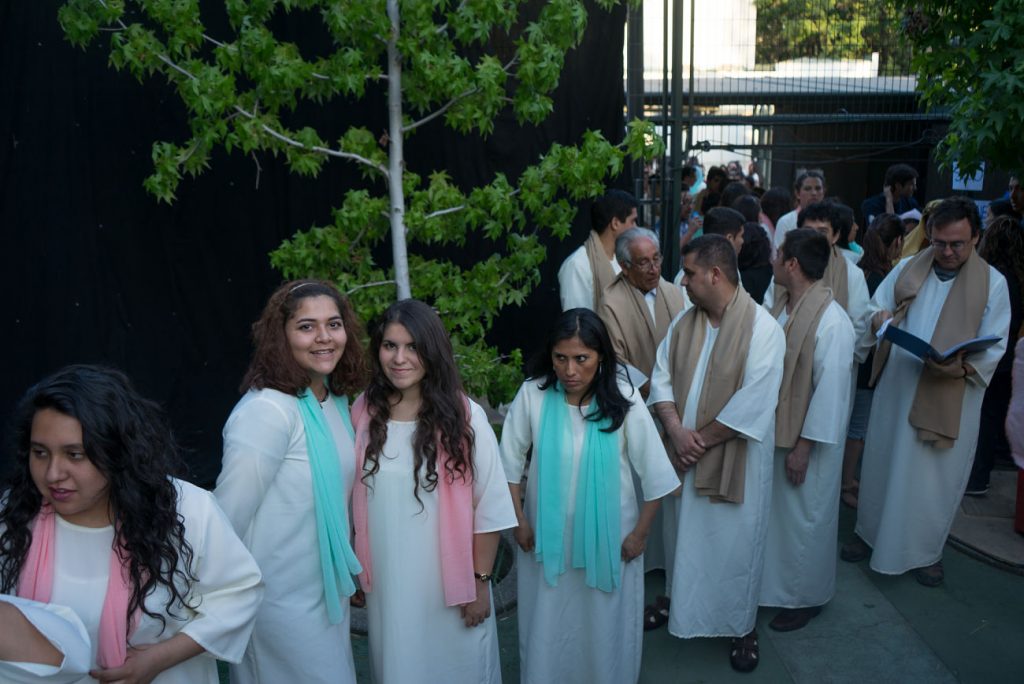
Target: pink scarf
36,583
455,508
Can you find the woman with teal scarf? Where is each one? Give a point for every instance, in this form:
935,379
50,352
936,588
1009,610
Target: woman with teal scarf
286,483
581,532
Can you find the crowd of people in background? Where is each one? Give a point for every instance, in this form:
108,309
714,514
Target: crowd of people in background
711,427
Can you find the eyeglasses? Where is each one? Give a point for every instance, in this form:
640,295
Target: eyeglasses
648,264
955,245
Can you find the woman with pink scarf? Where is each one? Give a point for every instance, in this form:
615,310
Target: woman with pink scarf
427,508
93,526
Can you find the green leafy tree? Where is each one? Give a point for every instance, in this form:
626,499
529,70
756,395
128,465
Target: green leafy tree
462,61
969,59
832,29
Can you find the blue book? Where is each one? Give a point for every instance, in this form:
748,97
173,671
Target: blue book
923,350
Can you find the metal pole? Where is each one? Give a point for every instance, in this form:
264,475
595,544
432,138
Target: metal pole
670,226
635,92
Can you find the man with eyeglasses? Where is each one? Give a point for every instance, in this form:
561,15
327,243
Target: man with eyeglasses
924,421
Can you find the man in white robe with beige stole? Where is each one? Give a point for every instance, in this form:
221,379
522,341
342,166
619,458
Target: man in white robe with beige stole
637,309
715,386
583,276
810,427
924,420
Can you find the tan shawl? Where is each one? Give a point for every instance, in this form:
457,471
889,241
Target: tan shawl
721,471
797,373
834,278
601,270
635,336
939,400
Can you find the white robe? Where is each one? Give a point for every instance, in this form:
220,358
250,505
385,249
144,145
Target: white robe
910,491
226,595
800,555
719,553
786,223
576,281
65,632
414,636
266,488
572,632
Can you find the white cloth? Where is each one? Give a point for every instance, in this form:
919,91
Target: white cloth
720,546
414,636
800,554
786,223
65,632
576,282
266,488
225,597
909,491
851,256
858,308
572,632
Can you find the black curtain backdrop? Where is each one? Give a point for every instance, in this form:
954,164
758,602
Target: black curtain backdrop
94,270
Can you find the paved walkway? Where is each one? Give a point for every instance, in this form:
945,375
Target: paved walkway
878,629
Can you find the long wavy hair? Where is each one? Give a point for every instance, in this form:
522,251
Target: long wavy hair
884,231
1002,246
274,366
585,324
443,420
127,439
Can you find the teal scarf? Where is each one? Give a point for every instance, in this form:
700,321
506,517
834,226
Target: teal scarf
596,537
338,562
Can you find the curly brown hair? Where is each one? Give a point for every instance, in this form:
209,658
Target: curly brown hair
443,420
273,366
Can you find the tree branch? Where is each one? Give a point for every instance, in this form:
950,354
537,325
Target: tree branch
442,212
366,285
455,100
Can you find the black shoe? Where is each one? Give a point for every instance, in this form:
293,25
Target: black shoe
976,491
855,551
792,619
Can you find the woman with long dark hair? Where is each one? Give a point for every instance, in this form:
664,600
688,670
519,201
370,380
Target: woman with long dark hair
580,533
287,478
93,520
428,506
883,243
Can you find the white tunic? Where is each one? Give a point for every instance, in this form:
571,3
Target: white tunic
786,223
720,546
226,595
414,636
576,281
572,632
266,488
65,632
909,491
800,554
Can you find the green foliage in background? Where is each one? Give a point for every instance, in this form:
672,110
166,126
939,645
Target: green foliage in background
969,59
463,61
831,29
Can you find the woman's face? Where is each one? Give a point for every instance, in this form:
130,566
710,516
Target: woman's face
316,335
63,473
399,359
575,366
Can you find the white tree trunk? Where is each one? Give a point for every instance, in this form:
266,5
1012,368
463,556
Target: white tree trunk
396,162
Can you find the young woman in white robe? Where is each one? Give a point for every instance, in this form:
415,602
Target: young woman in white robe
580,613
286,483
427,508
94,481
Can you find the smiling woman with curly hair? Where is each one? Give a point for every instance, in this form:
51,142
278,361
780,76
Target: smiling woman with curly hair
92,519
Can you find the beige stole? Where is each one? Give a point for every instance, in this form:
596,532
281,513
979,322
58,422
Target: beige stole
797,372
834,278
601,270
628,319
721,471
939,400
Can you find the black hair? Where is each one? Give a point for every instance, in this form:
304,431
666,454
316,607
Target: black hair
617,204
842,223
951,210
775,203
818,211
900,173
127,438
810,249
757,248
732,192
808,173
723,221
714,250
1002,207
588,327
749,206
